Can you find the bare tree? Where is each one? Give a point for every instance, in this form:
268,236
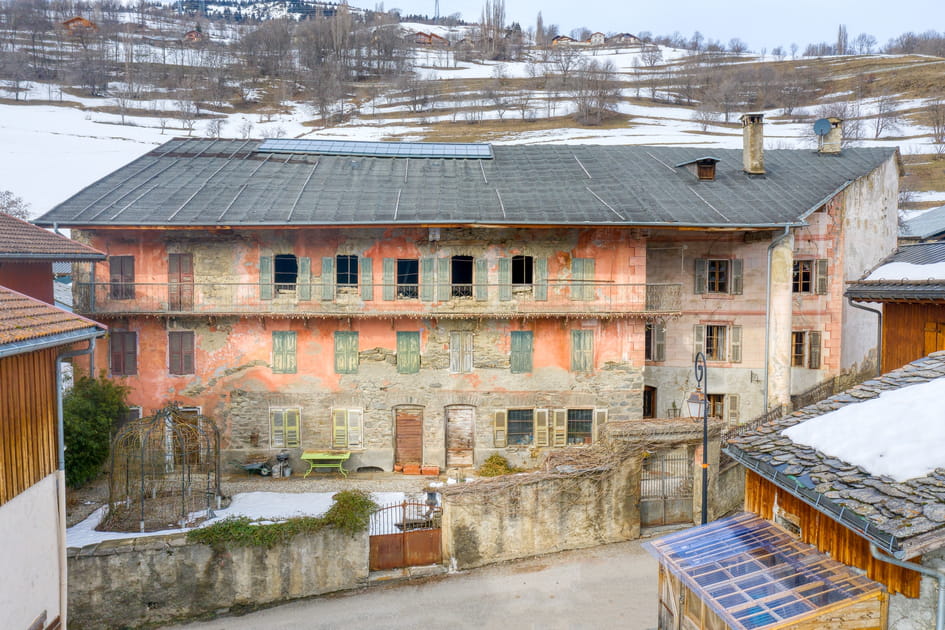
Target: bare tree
865,44
595,91
887,118
705,116
215,127
187,114
564,59
935,115
14,205
842,47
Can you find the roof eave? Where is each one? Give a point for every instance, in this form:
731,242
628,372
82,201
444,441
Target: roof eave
53,257
51,341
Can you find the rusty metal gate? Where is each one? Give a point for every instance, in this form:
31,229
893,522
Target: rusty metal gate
405,535
666,488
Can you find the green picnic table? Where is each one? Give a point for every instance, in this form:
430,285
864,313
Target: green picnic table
326,459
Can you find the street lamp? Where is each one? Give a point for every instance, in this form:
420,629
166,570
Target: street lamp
699,406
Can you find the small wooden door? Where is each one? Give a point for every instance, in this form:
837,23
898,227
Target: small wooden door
934,337
180,282
459,436
408,437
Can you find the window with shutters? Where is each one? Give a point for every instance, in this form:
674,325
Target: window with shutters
346,352
408,352
580,426
347,428
805,349
654,337
180,345
461,276
521,426
123,352
716,405
346,271
718,342
523,271
461,352
284,429
521,355
715,342
718,276
121,272
285,272
408,278
582,279
810,276
582,350
284,352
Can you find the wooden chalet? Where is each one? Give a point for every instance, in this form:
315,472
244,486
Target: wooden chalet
564,40
79,25
193,37
429,39
624,38
910,284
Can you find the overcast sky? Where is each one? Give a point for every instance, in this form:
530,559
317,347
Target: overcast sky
759,23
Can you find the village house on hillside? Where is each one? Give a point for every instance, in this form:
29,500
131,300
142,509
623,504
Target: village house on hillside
435,304
848,486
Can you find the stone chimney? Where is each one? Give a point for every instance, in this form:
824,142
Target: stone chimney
831,143
753,144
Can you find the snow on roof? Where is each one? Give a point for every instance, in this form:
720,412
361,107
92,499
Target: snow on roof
908,271
899,434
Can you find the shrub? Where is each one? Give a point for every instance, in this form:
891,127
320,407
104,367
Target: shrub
89,411
497,465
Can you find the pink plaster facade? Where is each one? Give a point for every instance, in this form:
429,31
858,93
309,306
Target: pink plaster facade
34,279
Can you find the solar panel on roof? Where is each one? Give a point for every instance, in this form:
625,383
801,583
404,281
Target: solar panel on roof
475,151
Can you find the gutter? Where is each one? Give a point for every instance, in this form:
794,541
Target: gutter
50,341
771,246
926,571
879,332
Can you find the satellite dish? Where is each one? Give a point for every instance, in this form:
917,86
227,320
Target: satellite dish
822,127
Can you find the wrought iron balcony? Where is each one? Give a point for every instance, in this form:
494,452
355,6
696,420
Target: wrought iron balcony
451,300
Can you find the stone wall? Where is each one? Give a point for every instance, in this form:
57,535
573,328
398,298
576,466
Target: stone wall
730,491
918,614
156,579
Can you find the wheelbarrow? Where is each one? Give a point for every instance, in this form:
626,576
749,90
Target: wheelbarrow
257,468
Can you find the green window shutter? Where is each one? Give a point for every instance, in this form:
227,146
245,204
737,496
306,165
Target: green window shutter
367,278
736,344
541,279
659,341
590,288
582,278
278,352
291,428
284,352
328,278
820,270
355,428
276,428
339,428
737,277
600,419
443,282
408,352
698,339
305,279
542,433
389,291
814,353
582,350
505,279
520,360
427,280
481,280
700,276
265,277
346,352
732,402
500,429
560,428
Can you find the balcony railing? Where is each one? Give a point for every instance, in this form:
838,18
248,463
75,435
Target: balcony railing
453,300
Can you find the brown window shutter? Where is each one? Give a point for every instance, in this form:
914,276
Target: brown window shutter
814,351
820,269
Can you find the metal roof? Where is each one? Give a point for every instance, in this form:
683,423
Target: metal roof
207,182
926,225
904,290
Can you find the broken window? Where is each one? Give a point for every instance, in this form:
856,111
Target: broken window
346,270
285,272
461,276
522,270
408,278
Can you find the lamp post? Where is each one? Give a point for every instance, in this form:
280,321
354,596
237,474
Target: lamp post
699,406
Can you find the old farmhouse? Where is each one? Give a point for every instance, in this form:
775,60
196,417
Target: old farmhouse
433,304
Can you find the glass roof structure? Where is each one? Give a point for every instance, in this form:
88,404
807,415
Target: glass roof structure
755,575
474,151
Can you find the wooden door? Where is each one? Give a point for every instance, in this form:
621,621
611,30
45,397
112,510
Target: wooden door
459,436
408,429
180,279
934,337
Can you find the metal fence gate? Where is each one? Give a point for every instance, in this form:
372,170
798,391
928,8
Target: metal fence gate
405,535
666,488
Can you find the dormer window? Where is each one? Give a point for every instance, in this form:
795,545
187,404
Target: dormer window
704,167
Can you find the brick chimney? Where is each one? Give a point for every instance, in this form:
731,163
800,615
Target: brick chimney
831,143
753,144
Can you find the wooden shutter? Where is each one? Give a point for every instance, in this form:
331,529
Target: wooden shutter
408,352
176,364
389,290
813,354
481,280
659,341
116,350
355,428
287,350
541,279
265,277
560,428
698,339
542,433
427,280
732,402
278,352
500,429
505,279
700,276
339,428
466,351
291,428
130,361
346,352
328,278
520,361
187,352
277,428
736,344
820,273
443,281
305,278
600,419
582,277
582,350
737,277
367,278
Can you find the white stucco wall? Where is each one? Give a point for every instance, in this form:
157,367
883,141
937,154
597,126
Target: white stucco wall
29,581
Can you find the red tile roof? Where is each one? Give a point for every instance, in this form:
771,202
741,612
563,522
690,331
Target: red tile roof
22,240
24,319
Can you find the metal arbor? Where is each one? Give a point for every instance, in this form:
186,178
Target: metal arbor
165,472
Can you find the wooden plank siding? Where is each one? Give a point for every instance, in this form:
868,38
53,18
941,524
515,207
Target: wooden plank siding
904,332
827,535
28,445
